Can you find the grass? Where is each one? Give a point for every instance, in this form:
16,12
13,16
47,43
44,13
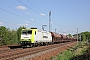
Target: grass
73,53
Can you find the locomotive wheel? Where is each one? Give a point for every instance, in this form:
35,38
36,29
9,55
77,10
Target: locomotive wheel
31,45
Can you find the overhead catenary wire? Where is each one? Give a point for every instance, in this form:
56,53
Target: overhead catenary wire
28,6
11,7
44,13
5,23
8,12
35,6
31,8
41,11
11,13
22,13
17,14
38,9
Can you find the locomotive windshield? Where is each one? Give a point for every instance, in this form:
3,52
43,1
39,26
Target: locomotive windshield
27,32
24,32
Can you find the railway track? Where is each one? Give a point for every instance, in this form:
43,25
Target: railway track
8,48
20,52
3,48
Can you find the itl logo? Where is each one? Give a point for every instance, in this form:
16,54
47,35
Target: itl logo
45,36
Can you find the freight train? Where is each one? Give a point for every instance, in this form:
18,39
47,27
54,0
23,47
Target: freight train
34,37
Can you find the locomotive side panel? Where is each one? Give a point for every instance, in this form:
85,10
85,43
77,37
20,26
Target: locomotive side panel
43,37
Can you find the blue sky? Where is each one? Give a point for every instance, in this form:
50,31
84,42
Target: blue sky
66,15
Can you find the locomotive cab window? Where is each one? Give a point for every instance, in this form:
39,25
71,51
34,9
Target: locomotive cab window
29,32
24,32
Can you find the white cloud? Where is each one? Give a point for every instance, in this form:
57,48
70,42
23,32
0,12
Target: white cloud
1,23
27,21
42,14
21,7
27,13
32,19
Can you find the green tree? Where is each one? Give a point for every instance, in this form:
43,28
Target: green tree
8,36
19,32
15,37
12,37
87,35
70,35
83,37
3,35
